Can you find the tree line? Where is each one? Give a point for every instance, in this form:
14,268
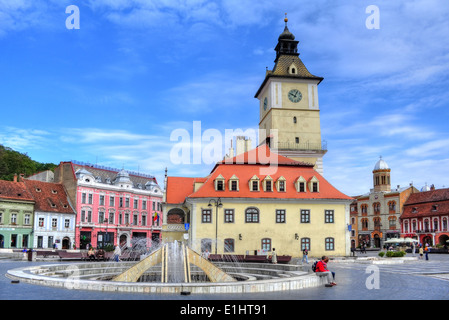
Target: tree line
13,162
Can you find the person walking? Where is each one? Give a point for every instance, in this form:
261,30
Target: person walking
274,258
321,268
117,253
426,251
305,256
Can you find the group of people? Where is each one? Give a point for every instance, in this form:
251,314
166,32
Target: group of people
93,254
99,254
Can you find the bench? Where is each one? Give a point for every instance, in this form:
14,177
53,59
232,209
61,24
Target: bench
215,257
46,253
233,258
64,255
254,258
284,259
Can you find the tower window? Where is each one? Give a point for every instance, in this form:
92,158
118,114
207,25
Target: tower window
294,120
297,140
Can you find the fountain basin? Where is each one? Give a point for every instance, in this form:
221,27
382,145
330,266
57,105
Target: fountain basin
94,276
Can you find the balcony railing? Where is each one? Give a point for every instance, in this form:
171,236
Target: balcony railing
426,231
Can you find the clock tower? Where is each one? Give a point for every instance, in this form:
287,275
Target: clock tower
289,109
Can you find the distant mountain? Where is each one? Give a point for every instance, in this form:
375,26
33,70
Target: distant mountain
13,162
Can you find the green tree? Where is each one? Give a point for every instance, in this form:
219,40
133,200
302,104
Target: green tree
13,162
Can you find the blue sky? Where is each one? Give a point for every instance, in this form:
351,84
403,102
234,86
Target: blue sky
113,91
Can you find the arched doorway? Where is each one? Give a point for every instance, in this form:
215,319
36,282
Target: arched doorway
123,241
66,243
428,240
443,239
376,241
176,216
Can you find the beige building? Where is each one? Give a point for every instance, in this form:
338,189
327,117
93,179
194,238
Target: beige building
378,211
241,208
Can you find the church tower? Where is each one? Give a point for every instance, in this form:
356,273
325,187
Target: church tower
289,109
381,176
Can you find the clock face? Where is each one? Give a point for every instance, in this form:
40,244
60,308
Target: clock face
265,104
295,95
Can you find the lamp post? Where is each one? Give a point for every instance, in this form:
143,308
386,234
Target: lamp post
217,203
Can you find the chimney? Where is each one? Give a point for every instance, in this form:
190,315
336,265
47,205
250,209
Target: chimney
15,177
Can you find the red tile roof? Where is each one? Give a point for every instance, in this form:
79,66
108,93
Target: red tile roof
254,163
49,197
178,188
14,191
422,204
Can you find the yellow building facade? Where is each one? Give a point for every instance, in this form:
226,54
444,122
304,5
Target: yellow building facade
238,209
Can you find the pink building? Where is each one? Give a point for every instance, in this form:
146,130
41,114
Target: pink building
113,207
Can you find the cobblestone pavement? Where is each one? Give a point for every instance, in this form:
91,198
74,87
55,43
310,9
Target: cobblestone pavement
412,280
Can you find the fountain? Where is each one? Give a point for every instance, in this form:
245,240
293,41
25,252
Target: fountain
169,268
175,259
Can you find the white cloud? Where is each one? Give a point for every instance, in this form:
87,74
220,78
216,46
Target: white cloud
23,139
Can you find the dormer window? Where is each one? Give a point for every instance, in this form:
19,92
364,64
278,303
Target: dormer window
293,69
268,184
254,183
434,207
414,210
300,184
38,190
314,185
234,183
281,184
220,183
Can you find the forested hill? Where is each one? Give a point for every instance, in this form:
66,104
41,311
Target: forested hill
13,162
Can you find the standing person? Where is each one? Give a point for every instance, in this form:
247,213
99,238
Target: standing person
305,256
117,253
321,267
421,252
426,251
206,254
274,258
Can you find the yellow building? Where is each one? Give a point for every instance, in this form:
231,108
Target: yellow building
274,196
250,204
289,108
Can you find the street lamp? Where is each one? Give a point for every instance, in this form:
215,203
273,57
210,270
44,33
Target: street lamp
217,203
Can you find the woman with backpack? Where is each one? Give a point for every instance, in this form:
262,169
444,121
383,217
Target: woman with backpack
321,267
